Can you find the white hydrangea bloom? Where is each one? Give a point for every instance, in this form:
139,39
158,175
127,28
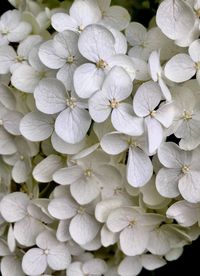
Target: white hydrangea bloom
12,28
145,104
81,14
83,227
73,122
180,173
62,53
134,227
49,252
183,67
139,166
97,44
115,89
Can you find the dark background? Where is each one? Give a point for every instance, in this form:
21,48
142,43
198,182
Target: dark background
189,263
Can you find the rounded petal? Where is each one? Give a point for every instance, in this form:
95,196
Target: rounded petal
66,176
7,143
167,182
94,266
14,206
20,32
155,133
50,96
72,125
83,228
189,187
152,262
147,98
59,257
7,58
139,168
62,208
130,266
116,17
36,126
180,68
43,172
114,143
34,262
87,80
124,121
96,43
194,50
61,22
25,78
10,264
175,18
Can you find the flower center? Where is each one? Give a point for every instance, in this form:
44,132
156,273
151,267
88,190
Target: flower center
185,169
21,157
20,59
187,116
81,210
153,113
71,102
114,103
70,59
131,224
101,64
46,251
88,172
80,28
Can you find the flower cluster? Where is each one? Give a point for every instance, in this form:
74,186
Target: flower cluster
99,137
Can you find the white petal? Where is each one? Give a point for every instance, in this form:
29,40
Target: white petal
7,58
124,121
36,126
165,114
50,96
62,208
147,98
171,156
134,241
61,22
117,17
20,32
25,78
61,146
180,68
194,50
165,90
175,18
66,176
62,233
11,239
167,182
124,62
151,262
96,43
72,125
26,230
83,228
7,143
65,74
139,168
141,69
189,187
21,170
10,264
114,143
185,213
130,266
7,98
120,218
99,106
94,266
120,41
87,80
107,237
49,57
34,262
85,190
135,33
85,12
118,84
11,122
43,172
59,257
158,243
155,133
14,206
75,269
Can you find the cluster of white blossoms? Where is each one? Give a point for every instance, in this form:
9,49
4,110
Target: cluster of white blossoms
99,137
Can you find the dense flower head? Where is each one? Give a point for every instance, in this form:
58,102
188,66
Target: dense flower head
99,137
